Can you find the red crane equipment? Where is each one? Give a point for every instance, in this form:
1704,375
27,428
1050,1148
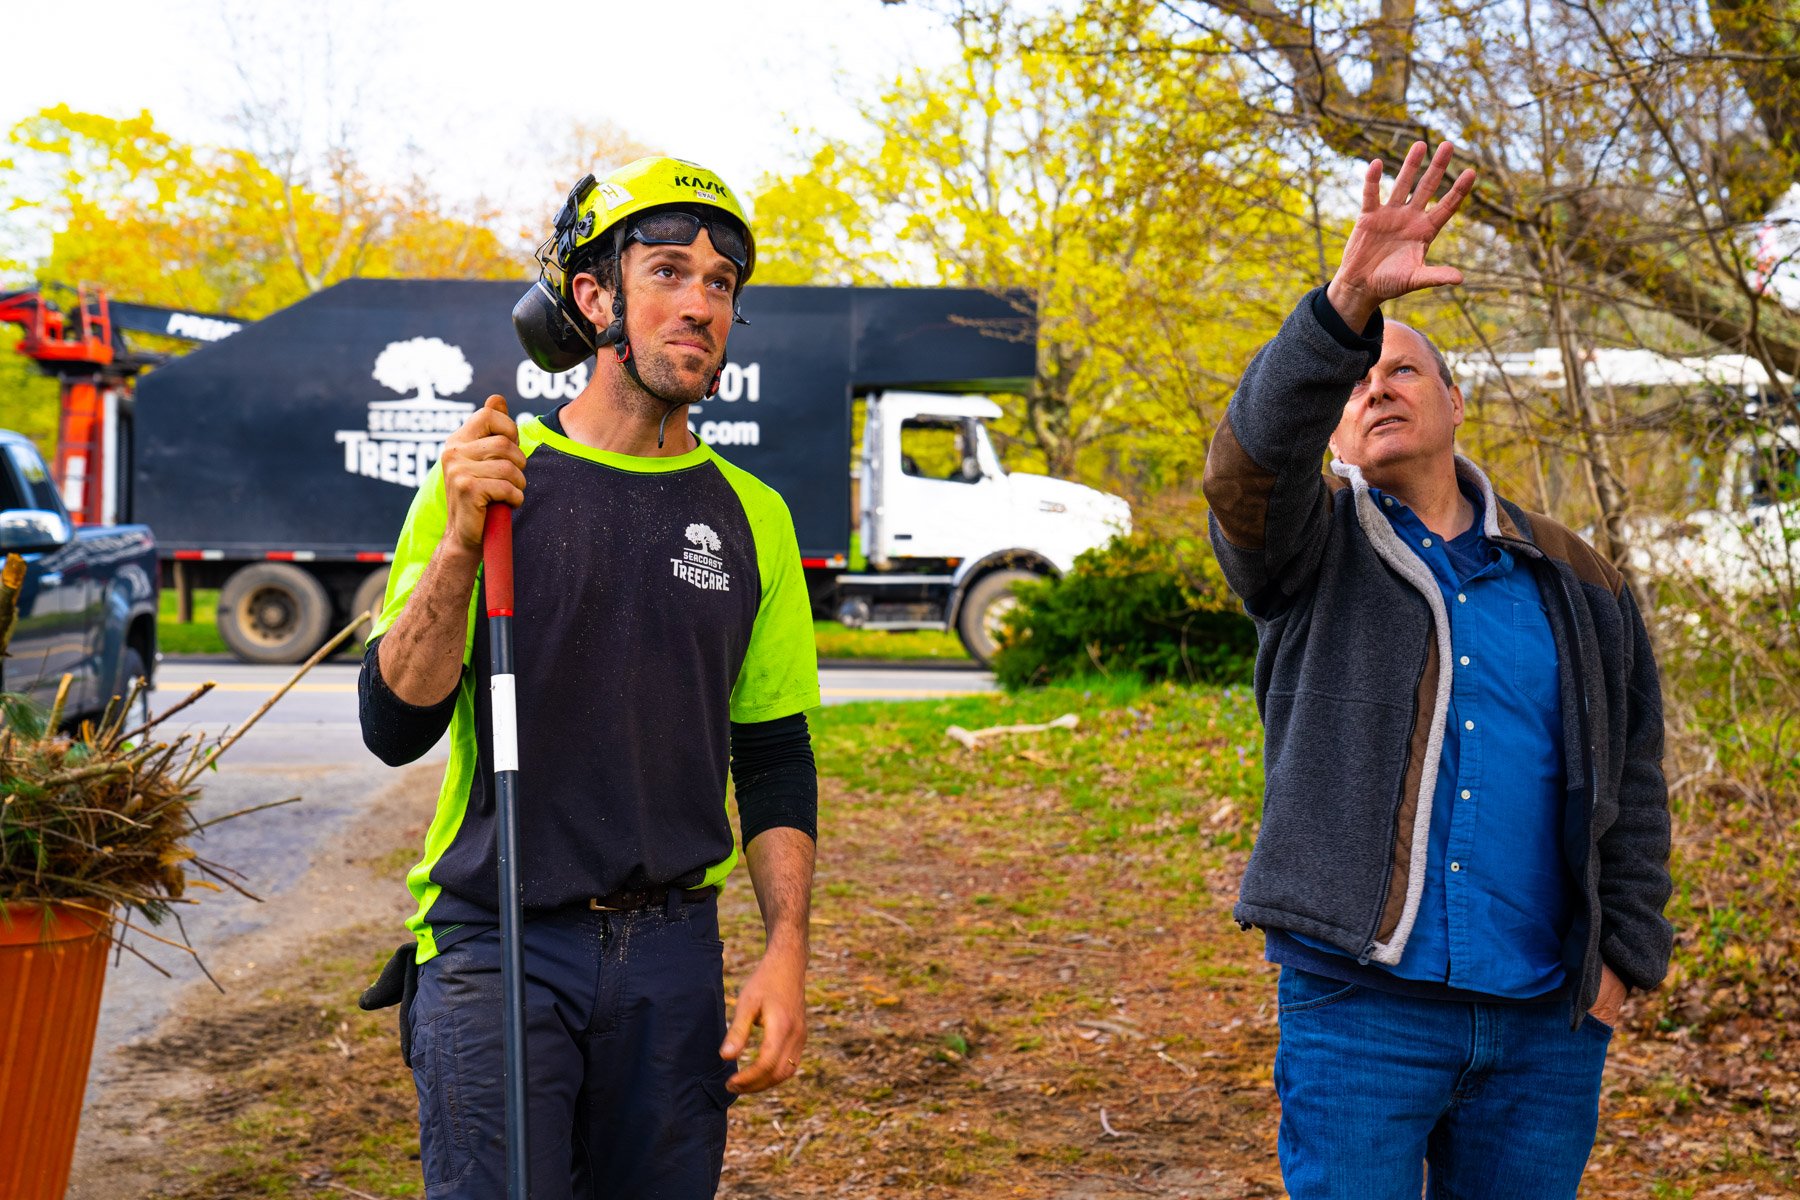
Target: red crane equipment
81,342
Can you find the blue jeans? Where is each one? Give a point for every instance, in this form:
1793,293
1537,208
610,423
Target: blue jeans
1494,1101
624,1013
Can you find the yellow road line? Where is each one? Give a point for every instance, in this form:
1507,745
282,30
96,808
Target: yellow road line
267,689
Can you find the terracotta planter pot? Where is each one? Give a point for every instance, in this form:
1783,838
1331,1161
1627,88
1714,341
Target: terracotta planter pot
52,967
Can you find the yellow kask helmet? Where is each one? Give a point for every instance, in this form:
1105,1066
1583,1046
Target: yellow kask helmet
657,201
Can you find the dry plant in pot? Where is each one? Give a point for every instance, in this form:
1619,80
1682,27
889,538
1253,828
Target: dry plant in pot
97,844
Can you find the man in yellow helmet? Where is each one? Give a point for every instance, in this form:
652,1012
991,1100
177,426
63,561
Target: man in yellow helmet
663,636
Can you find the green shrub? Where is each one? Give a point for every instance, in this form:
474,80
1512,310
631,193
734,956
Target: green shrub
1151,606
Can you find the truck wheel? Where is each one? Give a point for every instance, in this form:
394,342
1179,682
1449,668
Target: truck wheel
978,624
369,594
273,613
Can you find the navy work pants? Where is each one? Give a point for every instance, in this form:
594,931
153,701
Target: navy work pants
624,1013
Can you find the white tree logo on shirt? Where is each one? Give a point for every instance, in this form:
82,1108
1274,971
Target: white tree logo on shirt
700,564
703,537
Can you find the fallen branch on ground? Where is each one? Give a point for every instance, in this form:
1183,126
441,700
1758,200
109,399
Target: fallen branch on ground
972,738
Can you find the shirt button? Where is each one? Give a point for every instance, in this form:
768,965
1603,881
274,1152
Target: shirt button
1468,724
1456,866
1461,599
1465,793
1465,660
1426,543
1388,500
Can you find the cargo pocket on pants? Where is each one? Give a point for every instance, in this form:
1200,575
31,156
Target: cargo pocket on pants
714,1102
444,1156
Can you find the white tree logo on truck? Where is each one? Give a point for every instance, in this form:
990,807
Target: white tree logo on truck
431,365
404,437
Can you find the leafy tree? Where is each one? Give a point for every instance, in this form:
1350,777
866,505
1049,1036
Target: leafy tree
1149,224
158,220
27,396
1632,156
1641,82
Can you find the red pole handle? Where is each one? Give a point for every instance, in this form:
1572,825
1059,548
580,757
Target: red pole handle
497,559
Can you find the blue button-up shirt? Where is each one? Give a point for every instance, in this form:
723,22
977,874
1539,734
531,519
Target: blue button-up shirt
1496,902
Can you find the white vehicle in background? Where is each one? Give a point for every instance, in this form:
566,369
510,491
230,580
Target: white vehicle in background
1750,539
1746,539
948,532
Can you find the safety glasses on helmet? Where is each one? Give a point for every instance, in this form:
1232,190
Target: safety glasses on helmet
675,227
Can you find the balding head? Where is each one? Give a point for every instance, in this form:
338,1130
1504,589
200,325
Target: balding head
1437,356
1401,418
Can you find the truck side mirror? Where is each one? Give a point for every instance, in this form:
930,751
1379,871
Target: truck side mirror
28,529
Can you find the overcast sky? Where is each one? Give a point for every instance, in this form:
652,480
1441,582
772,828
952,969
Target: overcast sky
475,94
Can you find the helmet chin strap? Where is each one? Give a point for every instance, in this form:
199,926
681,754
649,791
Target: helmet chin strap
628,360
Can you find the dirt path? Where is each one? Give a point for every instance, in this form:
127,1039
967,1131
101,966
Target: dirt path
999,1008
146,1095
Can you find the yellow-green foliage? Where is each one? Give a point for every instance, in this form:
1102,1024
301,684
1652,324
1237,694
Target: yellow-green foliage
27,395
1133,201
160,221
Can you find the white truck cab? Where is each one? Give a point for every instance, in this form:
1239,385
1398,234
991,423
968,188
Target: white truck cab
948,531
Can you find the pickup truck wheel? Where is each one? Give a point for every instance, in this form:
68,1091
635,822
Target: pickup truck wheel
978,623
273,613
131,669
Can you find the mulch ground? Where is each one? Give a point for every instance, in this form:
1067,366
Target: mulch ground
998,1008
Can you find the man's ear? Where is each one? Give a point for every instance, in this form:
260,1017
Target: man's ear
1456,407
592,301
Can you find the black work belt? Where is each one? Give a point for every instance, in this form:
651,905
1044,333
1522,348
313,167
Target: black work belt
399,978
633,899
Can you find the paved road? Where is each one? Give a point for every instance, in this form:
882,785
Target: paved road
309,745
315,723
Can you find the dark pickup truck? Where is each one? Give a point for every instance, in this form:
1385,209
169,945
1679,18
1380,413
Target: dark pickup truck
88,606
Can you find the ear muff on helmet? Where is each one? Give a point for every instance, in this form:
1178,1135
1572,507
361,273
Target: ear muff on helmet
553,336
549,326
552,330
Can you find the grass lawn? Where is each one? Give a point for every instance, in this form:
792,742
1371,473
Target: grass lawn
910,645
201,636
1025,982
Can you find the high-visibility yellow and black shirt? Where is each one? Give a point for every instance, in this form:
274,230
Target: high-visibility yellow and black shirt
658,601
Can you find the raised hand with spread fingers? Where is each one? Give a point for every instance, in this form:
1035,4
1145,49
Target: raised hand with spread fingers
1385,256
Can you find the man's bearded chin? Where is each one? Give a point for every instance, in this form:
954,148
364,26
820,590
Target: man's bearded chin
660,372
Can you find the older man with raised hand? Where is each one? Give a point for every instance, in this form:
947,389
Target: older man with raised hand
1462,864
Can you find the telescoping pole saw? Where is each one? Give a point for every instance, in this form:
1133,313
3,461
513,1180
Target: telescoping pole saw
497,567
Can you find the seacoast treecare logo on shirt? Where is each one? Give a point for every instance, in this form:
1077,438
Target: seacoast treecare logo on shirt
700,563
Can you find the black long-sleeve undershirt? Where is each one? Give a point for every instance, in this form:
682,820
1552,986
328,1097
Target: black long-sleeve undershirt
777,780
394,731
